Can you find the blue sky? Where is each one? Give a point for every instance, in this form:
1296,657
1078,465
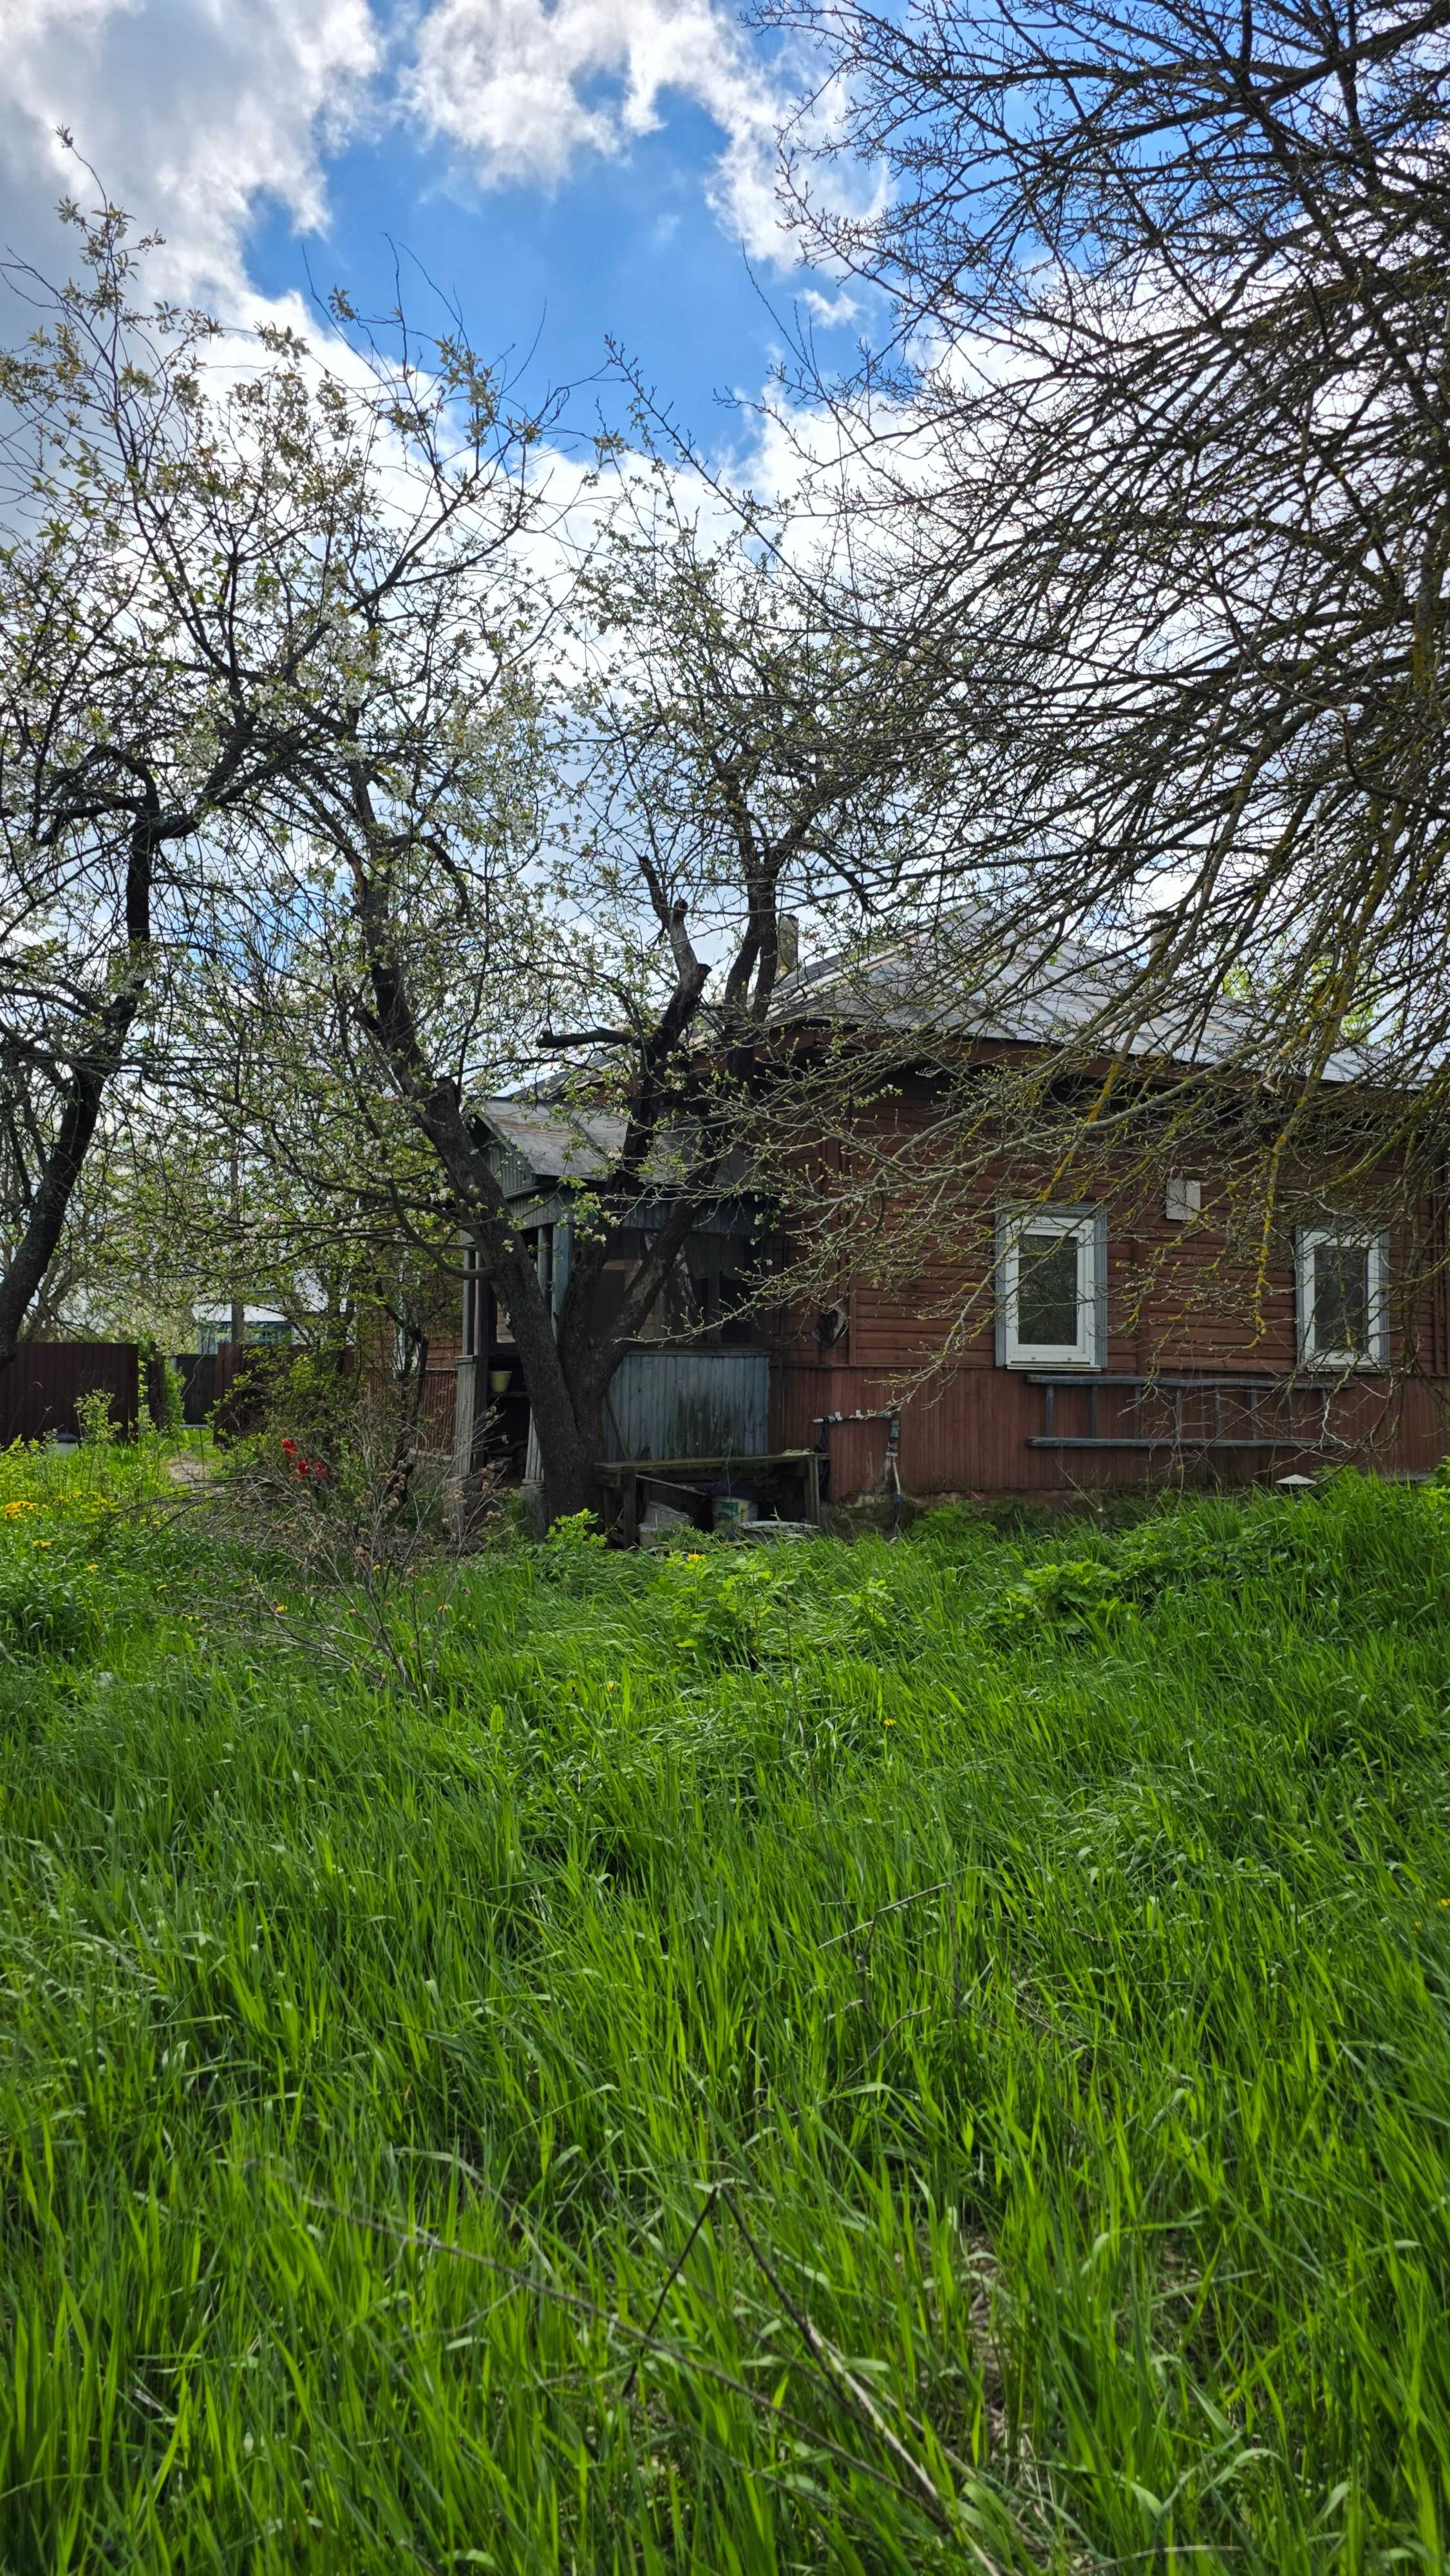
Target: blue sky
627,249
567,169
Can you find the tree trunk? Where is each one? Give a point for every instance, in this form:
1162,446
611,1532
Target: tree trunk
46,1223
567,1456
239,1309
91,1074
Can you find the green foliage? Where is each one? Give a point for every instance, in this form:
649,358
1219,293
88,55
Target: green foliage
167,1396
773,2061
572,1538
1070,1592
42,1608
95,1418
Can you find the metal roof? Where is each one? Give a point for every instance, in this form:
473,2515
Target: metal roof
1042,998
562,1144
250,1315
556,1144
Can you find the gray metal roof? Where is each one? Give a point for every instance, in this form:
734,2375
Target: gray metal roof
556,1144
540,1145
1045,998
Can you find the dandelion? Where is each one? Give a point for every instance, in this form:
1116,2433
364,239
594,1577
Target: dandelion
17,1510
281,1609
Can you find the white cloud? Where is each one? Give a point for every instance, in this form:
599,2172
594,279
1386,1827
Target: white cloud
831,311
197,113
525,88
192,112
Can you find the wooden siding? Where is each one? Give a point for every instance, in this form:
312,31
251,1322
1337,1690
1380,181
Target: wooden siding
969,1433
1175,1307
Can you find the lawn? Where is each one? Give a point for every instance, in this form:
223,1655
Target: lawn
923,2054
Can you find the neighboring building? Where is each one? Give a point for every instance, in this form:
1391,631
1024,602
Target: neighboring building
262,1324
1061,1385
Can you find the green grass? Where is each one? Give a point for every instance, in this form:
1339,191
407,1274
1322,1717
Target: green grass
877,2058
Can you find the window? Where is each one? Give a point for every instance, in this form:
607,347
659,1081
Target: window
1051,1288
1343,1314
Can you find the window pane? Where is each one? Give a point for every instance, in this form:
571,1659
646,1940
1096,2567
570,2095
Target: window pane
1047,1290
1341,1297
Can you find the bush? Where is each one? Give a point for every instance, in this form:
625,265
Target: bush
95,1418
165,1395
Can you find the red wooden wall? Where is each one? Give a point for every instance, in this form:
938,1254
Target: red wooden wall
965,1428
968,1431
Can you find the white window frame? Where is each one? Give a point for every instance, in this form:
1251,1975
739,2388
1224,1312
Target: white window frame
1309,1240
1087,1227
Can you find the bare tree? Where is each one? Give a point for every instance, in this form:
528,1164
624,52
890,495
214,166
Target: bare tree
117,749
1156,449
742,770
246,597
623,876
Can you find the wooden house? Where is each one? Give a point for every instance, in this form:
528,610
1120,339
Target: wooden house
1069,1375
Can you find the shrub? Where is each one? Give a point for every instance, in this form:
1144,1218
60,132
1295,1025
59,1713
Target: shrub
165,1396
1067,1592
95,1418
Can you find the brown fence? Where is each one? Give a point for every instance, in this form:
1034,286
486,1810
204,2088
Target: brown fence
40,1385
197,1371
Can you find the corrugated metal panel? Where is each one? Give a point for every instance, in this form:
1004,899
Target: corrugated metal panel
39,1386
533,1142
689,1404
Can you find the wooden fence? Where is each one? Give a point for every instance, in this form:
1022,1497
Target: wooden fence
40,1384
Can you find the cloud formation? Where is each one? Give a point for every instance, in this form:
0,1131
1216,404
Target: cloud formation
191,114
523,89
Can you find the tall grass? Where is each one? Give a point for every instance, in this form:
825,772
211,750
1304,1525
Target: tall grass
879,2058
